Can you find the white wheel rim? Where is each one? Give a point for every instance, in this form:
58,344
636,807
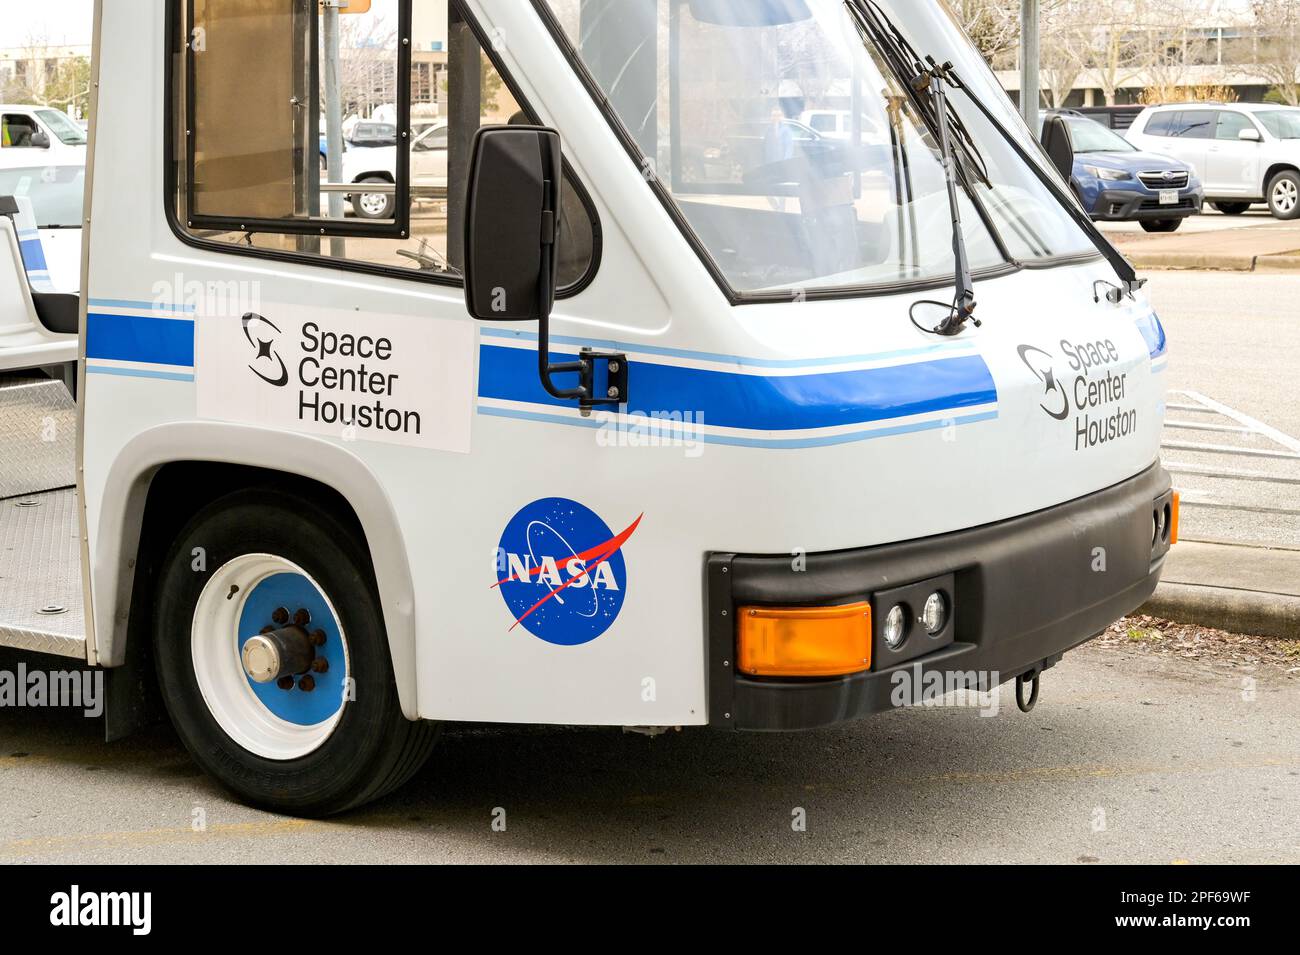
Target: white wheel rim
215,643
1285,195
374,203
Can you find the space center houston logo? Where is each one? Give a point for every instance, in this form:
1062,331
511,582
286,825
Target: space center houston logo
339,372
561,571
1092,390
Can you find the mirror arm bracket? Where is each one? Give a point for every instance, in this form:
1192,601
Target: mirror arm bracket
585,367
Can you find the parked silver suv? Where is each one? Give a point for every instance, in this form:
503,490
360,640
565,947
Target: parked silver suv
1243,152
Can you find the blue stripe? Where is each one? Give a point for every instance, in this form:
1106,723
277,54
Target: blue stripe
642,349
755,442
139,306
140,373
156,341
33,255
1153,333
758,403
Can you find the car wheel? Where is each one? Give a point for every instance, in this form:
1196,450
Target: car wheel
1232,208
1284,195
273,659
1161,225
374,205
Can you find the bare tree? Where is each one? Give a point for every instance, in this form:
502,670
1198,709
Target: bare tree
1277,27
1171,42
1065,48
1116,54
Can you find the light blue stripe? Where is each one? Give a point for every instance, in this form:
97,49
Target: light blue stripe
139,373
143,306
732,359
743,442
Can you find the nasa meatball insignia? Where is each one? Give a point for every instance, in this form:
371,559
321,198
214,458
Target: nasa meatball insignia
561,572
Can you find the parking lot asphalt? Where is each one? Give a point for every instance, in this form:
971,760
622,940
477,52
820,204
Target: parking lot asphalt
1126,758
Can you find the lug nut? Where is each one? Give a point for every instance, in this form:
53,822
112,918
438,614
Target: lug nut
318,637
285,683
301,617
307,683
280,616
320,665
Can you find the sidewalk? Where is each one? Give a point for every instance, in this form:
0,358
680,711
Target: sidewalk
1231,587
1268,247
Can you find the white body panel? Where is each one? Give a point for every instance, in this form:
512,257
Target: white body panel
981,450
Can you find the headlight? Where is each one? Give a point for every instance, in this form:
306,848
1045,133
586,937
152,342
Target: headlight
934,616
895,627
1109,175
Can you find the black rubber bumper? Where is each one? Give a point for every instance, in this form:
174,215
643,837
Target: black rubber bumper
1122,205
1025,591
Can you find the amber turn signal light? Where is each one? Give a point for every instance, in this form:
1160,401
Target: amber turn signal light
1173,519
804,641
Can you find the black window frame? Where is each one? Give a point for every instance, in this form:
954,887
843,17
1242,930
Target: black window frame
172,193
398,228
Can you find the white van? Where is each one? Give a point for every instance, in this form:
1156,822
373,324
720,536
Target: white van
1244,152
619,439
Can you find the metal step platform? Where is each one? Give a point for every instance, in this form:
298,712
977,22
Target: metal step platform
40,574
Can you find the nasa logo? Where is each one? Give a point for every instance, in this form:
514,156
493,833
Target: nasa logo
561,572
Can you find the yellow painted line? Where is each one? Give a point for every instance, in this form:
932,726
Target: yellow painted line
145,837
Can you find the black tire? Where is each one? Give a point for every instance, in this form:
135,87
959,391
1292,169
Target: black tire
374,748
1284,195
1161,225
1232,208
358,206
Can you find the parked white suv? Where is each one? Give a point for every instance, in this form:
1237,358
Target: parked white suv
1243,152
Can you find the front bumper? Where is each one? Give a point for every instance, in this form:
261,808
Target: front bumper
1126,205
1026,590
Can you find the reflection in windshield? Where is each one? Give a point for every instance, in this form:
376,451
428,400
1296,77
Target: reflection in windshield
1092,137
68,132
726,106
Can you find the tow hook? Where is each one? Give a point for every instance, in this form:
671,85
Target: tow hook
1033,676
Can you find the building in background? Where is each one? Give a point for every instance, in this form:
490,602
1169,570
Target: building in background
48,75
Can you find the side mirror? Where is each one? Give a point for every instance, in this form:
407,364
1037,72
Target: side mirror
512,230
512,223
1250,134
40,139
1059,145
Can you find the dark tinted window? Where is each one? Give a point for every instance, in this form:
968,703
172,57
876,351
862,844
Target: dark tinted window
1193,124
1159,124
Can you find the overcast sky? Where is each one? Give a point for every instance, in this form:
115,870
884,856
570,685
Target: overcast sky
58,21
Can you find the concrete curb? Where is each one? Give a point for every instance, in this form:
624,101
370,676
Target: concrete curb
1239,611
1214,262
1204,261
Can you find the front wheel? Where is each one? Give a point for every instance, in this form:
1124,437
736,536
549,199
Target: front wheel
1284,195
1161,225
374,205
273,658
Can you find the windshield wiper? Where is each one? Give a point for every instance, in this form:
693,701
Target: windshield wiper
909,68
927,83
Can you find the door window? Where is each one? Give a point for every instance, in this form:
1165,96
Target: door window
377,184
1231,124
16,131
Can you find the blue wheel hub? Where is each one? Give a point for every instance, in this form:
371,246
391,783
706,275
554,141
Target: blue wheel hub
291,604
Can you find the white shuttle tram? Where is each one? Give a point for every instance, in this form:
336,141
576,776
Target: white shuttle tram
671,413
